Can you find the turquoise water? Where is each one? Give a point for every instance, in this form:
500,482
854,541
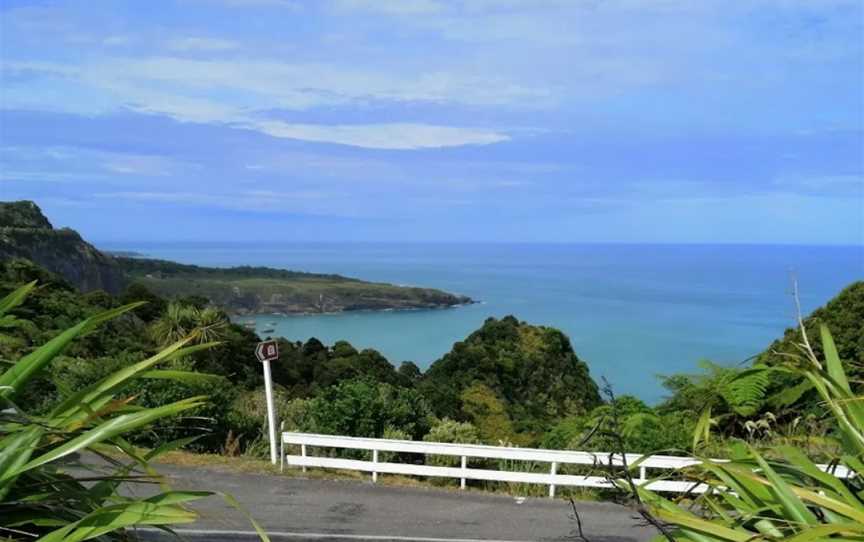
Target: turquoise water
632,312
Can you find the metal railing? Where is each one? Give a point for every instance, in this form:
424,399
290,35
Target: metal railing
658,465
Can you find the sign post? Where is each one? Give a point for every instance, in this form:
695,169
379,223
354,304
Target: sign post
266,352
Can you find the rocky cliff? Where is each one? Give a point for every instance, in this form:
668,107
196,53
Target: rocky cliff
26,233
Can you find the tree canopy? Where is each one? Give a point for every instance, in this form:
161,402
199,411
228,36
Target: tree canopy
532,370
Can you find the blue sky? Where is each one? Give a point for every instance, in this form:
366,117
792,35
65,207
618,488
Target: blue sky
434,120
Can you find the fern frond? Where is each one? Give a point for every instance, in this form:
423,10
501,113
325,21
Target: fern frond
745,392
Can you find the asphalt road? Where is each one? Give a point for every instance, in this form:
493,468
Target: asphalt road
304,509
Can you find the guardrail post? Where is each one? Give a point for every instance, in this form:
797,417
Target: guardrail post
281,446
553,471
374,460
464,467
642,474
303,453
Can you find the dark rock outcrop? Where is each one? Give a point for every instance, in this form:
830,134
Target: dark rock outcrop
26,233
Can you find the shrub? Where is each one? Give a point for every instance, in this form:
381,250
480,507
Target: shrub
361,408
450,431
392,433
246,417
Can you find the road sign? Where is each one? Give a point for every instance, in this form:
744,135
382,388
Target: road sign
267,351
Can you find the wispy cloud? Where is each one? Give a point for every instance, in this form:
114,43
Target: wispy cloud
201,44
261,201
382,136
402,7
75,164
294,5
172,86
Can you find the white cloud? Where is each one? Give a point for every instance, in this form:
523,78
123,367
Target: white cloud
404,136
255,84
147,165
163,85
399,7
289,4
201,44
298,201
67,163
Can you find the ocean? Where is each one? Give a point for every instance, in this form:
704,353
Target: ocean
632,312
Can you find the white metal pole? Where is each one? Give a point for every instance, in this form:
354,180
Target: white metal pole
271,410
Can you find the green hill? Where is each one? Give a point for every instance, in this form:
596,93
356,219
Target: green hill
25,233
247,290
844,316
517,377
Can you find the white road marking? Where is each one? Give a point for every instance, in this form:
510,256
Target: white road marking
322,536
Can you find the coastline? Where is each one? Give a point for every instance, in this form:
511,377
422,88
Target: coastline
235,314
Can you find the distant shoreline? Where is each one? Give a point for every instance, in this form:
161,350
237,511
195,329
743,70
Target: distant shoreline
253,290
239,315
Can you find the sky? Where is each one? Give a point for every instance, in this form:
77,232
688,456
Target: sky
636,121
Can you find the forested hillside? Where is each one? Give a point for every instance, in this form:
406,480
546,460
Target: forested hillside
509,381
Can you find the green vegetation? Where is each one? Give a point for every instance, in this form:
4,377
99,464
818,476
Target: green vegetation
44,492
512,380
244,290
98,373
787,497
335,389
27,234
765,401
363,408
508,382
23,214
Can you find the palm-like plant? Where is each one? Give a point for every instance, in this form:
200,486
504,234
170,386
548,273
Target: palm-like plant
187,321
40,496
752,497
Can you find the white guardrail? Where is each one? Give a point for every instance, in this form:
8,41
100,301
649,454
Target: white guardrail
665,464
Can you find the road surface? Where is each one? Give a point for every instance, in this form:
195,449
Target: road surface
331,511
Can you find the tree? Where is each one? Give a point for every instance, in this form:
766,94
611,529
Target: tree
409,374
487,412
154,307
182,321
531,369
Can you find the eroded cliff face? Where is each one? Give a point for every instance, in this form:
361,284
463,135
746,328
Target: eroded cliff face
26,233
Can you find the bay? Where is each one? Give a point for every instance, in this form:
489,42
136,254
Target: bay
632,312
